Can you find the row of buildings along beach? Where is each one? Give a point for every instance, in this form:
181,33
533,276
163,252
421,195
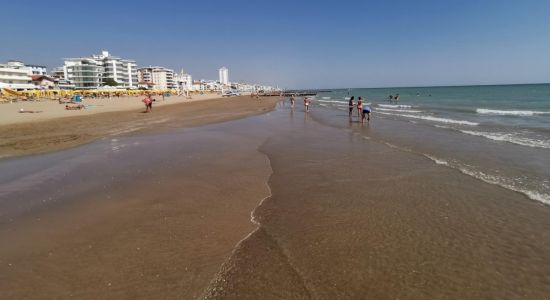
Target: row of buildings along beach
104,70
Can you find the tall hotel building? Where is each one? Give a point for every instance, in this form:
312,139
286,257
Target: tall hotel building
89,72
224,76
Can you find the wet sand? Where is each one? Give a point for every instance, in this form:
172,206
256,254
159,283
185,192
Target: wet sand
335,214
61,131
351,218
150,216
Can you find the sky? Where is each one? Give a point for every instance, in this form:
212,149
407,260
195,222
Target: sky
295,44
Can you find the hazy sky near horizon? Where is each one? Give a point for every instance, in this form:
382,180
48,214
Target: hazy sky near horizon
296,44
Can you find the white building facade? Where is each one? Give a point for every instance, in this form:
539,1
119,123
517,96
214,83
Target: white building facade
184,81
224,75
123,71
161,78
17,75
84,73
90,72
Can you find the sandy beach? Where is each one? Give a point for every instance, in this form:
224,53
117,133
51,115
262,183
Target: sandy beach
56,128
282,204
52,109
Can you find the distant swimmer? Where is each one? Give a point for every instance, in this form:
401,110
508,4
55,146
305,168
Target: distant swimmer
351,105
396,97
390,98
359,107
365,113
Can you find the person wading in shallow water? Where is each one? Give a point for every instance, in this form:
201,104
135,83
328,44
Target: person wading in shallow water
365,113
359,107
306,103
351,105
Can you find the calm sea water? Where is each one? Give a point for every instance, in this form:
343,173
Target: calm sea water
498,134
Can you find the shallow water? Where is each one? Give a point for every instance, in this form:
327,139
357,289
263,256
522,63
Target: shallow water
353,216
499,134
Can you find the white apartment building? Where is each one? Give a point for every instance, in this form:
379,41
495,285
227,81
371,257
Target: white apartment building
224,75
123,71
89,72
84,73
17,75
162,78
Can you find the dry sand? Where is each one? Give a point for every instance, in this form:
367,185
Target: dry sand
50,109
56,128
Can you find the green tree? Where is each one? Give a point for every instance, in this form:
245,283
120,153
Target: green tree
109,81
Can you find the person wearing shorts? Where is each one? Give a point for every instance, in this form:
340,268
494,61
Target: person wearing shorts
365,113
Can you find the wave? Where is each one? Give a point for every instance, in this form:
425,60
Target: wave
520,113
437,160
434,119
394,106
511,138
399,110
495,180
330,101
325,98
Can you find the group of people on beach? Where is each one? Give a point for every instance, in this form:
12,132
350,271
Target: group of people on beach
307,102
363,110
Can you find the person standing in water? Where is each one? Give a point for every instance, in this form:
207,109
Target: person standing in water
292,101
396,98
365,113
359,107
351,105
306,104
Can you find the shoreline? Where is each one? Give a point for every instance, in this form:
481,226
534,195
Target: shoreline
192,198
62,132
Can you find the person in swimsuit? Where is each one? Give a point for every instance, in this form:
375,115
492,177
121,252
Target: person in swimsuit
306,104
292,101
359,107
351,105
148,103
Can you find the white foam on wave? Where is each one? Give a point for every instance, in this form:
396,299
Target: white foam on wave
511,138
495,180
330,101
437,160
520,113
394,106
434,119
325,98
411,111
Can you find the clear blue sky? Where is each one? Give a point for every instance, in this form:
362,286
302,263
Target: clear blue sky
297,44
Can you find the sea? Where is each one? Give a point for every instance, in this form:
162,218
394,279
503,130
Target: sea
499,134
